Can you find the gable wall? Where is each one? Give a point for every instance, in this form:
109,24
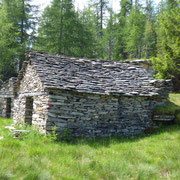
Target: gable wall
31,86
30,82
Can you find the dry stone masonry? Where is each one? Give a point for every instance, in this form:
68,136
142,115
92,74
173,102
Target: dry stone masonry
87,97
7,91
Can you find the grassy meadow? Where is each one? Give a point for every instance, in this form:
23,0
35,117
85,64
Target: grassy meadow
35,157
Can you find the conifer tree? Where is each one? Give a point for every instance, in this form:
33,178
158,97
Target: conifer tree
109,35
168,62
8,44
62,30
121,31
150,36
16,30
135,29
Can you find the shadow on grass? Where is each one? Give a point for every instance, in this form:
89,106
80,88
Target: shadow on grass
169,109
99,142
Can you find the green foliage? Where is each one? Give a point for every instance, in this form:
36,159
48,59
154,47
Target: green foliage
64,31
135,35
53,135
135,27
7,41
160,66
155,156
121,32
17,24
150,35
168,61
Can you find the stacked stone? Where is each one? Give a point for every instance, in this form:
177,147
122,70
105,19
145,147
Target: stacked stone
98,115
96,76
83,114
30,85
7,96
163,118
88,97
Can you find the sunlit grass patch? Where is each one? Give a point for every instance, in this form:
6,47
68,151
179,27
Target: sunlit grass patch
171,108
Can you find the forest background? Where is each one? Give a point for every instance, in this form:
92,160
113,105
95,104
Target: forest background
140,29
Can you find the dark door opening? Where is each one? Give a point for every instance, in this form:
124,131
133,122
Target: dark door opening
29,110
8,107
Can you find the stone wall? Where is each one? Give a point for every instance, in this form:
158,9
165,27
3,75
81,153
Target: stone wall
39,111
31,86
82,114
136,113
98,115
30,82
6,96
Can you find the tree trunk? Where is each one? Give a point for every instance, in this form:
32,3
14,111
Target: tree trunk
22,56
110,49
101,15
61,28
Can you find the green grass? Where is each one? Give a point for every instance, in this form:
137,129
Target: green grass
175,98
34,157
172,107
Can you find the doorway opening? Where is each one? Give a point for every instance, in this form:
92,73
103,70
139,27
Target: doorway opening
8,107
29,110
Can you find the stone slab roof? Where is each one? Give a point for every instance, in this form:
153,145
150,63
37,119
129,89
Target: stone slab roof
95,76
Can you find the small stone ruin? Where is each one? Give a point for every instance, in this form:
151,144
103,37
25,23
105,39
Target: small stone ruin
87,97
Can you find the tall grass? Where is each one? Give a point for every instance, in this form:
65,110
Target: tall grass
33,156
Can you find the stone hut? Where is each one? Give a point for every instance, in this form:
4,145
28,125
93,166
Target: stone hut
87,97
7,91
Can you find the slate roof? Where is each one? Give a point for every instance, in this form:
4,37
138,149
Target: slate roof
95,76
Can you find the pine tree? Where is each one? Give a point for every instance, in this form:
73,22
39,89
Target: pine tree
150,36
26,23
100,10
7,43
62,30
17,27
86,30
168,61
135,29
109,35
54,34
121,31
